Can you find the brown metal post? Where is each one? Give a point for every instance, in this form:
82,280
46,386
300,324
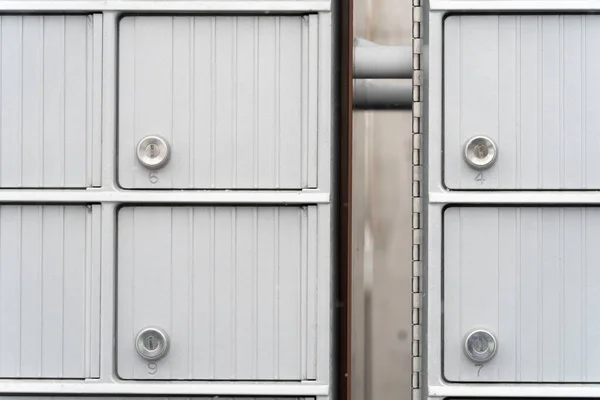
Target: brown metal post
345,49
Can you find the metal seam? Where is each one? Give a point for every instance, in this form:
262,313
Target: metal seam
416,203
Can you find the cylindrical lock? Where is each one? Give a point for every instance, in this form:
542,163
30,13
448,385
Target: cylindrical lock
480,346
153,152
480,152
152,343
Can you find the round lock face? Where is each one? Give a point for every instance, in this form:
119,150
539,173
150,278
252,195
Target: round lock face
152,343
153,152
480,346
481,152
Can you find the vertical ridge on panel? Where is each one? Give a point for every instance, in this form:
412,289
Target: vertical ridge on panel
508,270
290,97
127,78
246,88
126,269
551,294
223,266
12,104
266,286
267,85
53,302
74,269
591,351
203,102
550,129
31,292
54,100
452,101
33,93
95,78
452,288
245,293
289,287
591,88
223,102
180,242
508,81
312,120
573,319
203,295
573,110
77,43
10,290
530,292
182,73
312,305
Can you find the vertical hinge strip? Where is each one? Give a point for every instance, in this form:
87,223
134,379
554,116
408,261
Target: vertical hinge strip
416,207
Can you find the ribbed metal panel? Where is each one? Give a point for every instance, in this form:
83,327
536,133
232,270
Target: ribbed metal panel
530,276
46,101
48,294
532,84
230,286
234,96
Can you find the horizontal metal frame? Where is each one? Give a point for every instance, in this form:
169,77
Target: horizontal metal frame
161,196
164,6
167,388
514,5
514,197
517,390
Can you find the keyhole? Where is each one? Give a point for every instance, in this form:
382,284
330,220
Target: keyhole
480,345
151,343
152,150
480,151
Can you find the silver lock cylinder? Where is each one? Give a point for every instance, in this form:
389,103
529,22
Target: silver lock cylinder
152,343
480,346
480,152
153,152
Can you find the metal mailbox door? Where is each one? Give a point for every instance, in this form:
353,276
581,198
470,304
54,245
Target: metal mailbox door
49,291
49,116
217,293
221,102
521,101
529,277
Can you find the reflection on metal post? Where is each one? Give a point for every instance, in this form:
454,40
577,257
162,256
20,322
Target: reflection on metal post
375,94
373,62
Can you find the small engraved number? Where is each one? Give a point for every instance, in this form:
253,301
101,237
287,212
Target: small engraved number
153,178
152,368
480,178
480,367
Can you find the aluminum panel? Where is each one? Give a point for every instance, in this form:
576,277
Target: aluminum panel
46,102
229,285
235,97
48,292
530,83
528,275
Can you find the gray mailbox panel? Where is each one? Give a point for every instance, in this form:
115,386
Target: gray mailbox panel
49,292
530,277
46,101
232,288
531,84
233,96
